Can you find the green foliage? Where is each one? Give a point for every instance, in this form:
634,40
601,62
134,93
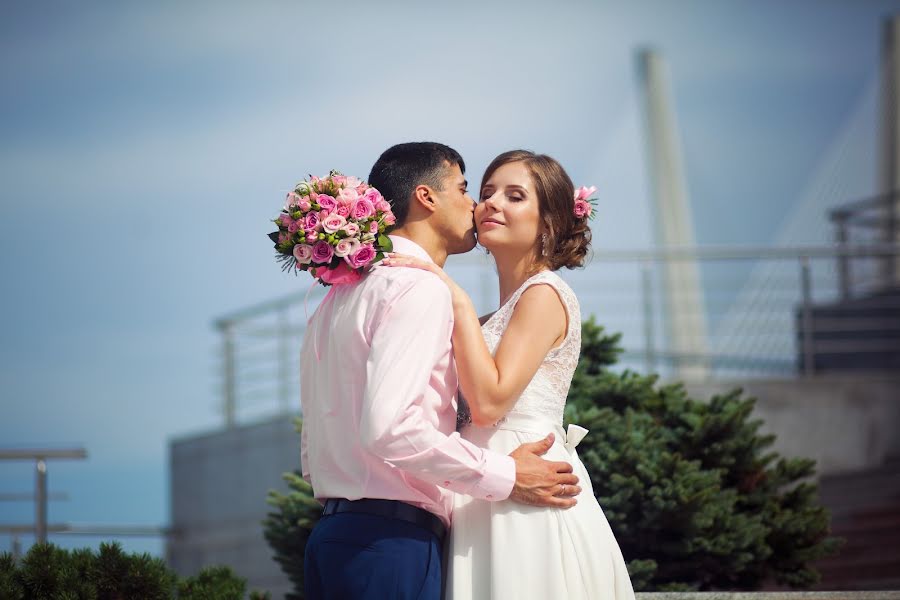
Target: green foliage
212,583
50,573
288,526
118,575
695,496
10,584
692,490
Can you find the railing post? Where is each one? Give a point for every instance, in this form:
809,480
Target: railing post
649,338
807,318
229,373
40,501
284,352
843,259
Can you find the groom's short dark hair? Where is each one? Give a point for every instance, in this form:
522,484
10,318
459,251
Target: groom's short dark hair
401,168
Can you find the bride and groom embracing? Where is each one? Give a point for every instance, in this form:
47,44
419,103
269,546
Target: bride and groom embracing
425,495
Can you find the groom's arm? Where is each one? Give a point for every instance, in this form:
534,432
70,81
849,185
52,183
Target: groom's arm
410,339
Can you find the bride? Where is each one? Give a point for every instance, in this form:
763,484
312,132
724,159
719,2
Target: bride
515,367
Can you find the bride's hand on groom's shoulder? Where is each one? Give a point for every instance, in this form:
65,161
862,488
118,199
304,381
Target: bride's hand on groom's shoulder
395,259
540,482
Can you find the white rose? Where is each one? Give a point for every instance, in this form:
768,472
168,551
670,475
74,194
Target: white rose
346,247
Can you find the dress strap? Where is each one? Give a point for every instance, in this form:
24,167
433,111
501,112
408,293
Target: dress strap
566,296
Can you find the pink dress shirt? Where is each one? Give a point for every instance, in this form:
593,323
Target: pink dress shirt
378,390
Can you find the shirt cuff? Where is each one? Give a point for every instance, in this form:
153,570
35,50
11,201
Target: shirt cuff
499,477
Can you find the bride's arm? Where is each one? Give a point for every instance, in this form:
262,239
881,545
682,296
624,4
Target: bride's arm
492,384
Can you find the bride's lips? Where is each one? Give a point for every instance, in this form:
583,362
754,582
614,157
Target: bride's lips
491,223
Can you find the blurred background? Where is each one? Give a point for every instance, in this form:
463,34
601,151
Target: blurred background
145,148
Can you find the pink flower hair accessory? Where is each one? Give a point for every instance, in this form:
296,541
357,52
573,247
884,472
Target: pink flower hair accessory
584,204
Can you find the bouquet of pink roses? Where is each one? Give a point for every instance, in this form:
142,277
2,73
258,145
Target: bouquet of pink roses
332,227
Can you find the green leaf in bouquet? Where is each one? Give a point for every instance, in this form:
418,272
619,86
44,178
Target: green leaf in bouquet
385,243
274,236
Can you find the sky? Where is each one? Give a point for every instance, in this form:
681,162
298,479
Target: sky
145,146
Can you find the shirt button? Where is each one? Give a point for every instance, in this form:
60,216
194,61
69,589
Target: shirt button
446,483
489,496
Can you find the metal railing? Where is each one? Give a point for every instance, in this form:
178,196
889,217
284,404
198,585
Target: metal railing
875,219
759,304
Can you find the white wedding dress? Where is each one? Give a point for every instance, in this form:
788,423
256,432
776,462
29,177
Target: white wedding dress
501,550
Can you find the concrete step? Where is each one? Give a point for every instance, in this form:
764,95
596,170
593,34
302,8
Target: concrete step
819,595
848,507
871,568
876,519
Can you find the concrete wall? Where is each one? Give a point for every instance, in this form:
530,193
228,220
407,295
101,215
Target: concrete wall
846,423
219,483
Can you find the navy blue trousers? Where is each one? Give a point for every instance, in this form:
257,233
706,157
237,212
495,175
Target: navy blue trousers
354,556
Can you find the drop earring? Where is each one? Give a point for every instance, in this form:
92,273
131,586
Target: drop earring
544,245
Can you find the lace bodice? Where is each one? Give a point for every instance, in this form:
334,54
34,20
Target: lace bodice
545,395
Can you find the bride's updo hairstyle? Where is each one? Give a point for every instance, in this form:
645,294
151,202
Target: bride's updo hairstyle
568,236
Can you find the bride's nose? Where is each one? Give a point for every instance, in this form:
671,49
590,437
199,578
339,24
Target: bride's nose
491,201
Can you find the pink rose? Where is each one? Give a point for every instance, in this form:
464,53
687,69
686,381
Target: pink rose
303,253
352,182
373,195
383,206
284,220
293,226
362,209
583,193
582,209
322,252
283,237
346,247
351,229
362,257
293,199
389,219
326,202
333,222
311,237
338,275
304,205
348,195
339,180
312,222
373,227
343,210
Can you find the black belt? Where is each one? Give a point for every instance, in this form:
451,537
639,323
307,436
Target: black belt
392,509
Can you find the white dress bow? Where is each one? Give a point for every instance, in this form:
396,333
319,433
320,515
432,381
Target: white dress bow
574,435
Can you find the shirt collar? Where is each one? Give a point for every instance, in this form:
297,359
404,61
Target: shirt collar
407,246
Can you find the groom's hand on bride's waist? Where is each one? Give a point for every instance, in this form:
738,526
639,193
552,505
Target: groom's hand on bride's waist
541,482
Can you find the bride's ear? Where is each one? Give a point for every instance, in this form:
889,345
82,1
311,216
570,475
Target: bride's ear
424,198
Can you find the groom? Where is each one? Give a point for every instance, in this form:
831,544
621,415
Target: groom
378,384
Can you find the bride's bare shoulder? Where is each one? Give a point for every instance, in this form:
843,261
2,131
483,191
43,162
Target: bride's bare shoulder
484,318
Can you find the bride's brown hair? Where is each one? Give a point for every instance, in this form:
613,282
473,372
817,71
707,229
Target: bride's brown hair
568,237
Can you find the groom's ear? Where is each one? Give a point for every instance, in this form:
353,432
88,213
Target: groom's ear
423,197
